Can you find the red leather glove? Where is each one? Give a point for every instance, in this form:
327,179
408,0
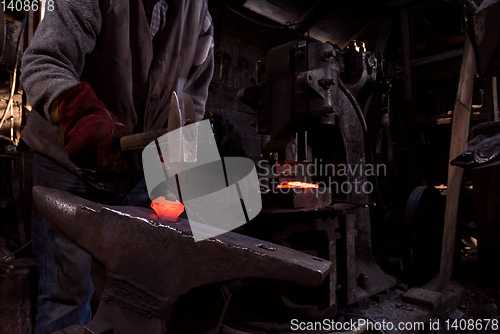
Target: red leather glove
91,132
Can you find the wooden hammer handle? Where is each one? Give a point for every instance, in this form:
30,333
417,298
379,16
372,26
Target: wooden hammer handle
140,140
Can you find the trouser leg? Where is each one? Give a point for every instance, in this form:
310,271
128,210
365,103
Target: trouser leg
65,287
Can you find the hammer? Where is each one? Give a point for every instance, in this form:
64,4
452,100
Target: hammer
176,119
107,184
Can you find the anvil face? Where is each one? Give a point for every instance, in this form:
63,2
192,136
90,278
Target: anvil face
162,259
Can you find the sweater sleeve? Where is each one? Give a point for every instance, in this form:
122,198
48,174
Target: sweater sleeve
202,69
56,57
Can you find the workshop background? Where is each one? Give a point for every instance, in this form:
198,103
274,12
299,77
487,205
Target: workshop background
409,110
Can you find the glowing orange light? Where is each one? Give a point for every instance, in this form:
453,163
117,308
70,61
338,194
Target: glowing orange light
298,184
167,210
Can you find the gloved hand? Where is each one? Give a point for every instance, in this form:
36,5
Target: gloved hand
91,132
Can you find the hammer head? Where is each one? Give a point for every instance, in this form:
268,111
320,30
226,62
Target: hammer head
181,111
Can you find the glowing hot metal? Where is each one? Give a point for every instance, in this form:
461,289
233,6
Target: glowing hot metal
167,210
298,184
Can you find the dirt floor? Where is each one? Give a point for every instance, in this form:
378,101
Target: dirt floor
478,310
482,292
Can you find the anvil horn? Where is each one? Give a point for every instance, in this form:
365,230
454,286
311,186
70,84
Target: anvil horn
142,252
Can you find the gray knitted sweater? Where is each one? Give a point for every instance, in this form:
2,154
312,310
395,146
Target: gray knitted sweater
107,43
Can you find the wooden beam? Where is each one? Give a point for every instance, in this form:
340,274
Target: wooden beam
278,14
271,11
309,18
438,57
459,135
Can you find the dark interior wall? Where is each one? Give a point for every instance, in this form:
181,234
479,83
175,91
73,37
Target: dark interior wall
234,63
239,44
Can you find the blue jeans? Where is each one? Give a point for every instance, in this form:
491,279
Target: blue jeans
65,287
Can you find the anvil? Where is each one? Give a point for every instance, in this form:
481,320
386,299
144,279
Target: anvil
151,263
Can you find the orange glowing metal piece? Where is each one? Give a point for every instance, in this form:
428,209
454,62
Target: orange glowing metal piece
298,184
167,210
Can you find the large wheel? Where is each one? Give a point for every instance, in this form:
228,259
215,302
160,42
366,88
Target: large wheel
423,220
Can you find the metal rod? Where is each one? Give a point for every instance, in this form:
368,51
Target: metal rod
14,75
11,123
